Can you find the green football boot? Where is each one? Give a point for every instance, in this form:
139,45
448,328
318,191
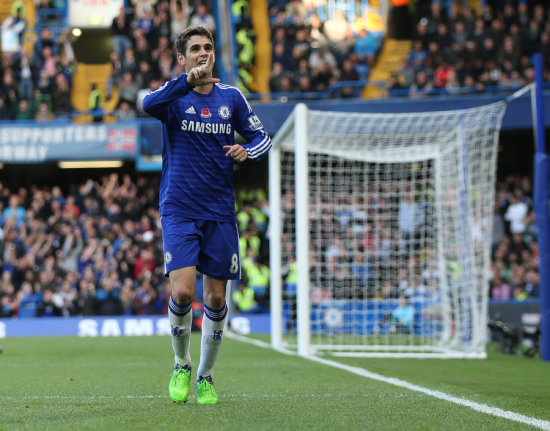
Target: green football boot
179,383
206,394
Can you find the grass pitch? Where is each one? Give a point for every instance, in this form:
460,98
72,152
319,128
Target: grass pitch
122,384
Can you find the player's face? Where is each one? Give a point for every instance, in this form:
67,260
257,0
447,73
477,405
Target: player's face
196,53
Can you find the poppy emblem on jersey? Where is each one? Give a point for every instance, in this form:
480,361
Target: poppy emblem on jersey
224,112
206,113
168,257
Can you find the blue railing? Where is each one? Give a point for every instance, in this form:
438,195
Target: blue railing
494,89
335,91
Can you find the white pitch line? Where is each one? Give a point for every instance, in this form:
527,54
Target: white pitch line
479,407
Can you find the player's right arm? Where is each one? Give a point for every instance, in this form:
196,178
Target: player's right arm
155,103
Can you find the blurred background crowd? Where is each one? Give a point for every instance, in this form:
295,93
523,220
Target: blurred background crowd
453,50
95,248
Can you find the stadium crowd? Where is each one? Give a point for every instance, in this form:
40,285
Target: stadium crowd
311,53
372,247
96,249
453,51
457,51
37,85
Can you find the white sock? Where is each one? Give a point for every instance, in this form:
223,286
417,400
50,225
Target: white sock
181,320
213,323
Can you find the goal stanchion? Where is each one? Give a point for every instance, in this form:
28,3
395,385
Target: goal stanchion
380,231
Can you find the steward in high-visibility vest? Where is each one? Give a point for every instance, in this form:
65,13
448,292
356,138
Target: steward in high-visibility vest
255,243
95,104
244,299
243,246
242,219
245,80
241,12
258,278
259,217
245,47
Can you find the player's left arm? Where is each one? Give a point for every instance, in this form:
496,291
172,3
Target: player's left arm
248,125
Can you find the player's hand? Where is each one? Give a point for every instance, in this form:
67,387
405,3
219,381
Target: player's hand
202,75
238,152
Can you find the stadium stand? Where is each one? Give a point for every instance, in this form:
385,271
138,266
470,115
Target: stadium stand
95,248
58,246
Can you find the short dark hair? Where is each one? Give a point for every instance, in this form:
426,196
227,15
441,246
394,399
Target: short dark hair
183,37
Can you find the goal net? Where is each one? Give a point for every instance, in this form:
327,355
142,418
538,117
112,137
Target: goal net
380,231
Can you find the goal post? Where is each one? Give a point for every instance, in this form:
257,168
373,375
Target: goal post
380,231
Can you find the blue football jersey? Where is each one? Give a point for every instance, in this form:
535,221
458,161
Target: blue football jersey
197,176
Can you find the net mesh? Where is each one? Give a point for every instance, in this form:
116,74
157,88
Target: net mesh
400,216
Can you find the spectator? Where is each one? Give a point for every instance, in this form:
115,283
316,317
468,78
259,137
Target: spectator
410,219
125,111
129,64
281,56
108,298
128,90
500,289
394,86
120,29
349,74
46,38
180,17
115,76
243,299
43,113
366,47
417,56
400,320
203,18
27,75
323,67
421,85
532,287
11,29
61,97
24,111
515,215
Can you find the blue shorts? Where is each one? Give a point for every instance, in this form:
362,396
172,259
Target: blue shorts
211,246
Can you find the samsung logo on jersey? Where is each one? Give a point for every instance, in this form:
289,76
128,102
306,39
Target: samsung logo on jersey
198,126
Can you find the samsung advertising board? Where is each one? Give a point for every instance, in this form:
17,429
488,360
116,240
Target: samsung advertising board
115,326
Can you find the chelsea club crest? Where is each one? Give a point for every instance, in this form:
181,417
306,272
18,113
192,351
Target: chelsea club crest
224,112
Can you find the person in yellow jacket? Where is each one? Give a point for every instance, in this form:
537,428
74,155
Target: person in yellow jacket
95,103
244,301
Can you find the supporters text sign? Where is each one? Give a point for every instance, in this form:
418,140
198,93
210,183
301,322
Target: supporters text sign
39,143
